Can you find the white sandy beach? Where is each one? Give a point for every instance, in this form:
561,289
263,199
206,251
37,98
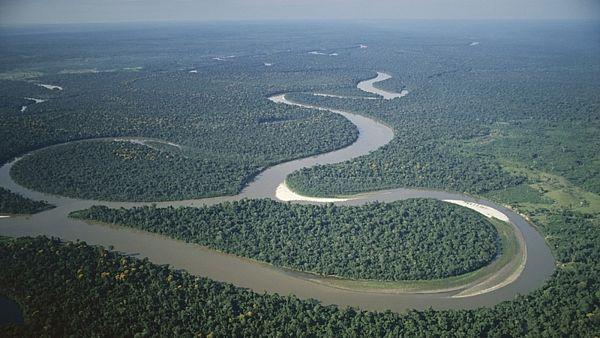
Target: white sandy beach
477,290
482,209
283,193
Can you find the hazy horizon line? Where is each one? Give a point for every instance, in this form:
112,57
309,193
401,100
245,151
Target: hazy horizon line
320,20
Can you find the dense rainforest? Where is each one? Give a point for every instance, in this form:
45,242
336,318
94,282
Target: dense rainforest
469,111
414,239
12,203
463,145
72,289
517,114
217,110
212,100
128,170
230,134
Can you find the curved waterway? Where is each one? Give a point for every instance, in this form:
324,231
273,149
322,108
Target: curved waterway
536,264
368,86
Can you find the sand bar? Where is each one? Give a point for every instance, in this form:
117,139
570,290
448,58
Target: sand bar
482,209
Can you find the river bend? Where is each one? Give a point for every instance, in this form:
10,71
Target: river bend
261,277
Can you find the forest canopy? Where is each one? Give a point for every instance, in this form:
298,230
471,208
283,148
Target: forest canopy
515,118
73,289
414,239
12,203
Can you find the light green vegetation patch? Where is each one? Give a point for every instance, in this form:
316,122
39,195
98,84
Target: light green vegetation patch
522,193
567,149
560,173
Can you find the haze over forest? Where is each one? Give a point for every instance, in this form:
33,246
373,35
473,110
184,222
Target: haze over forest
95,11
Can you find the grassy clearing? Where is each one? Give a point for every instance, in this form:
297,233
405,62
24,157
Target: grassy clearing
553,191
522,193
557,168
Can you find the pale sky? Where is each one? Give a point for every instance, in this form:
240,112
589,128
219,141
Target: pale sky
86,11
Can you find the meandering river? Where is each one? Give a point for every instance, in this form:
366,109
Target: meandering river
537,266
